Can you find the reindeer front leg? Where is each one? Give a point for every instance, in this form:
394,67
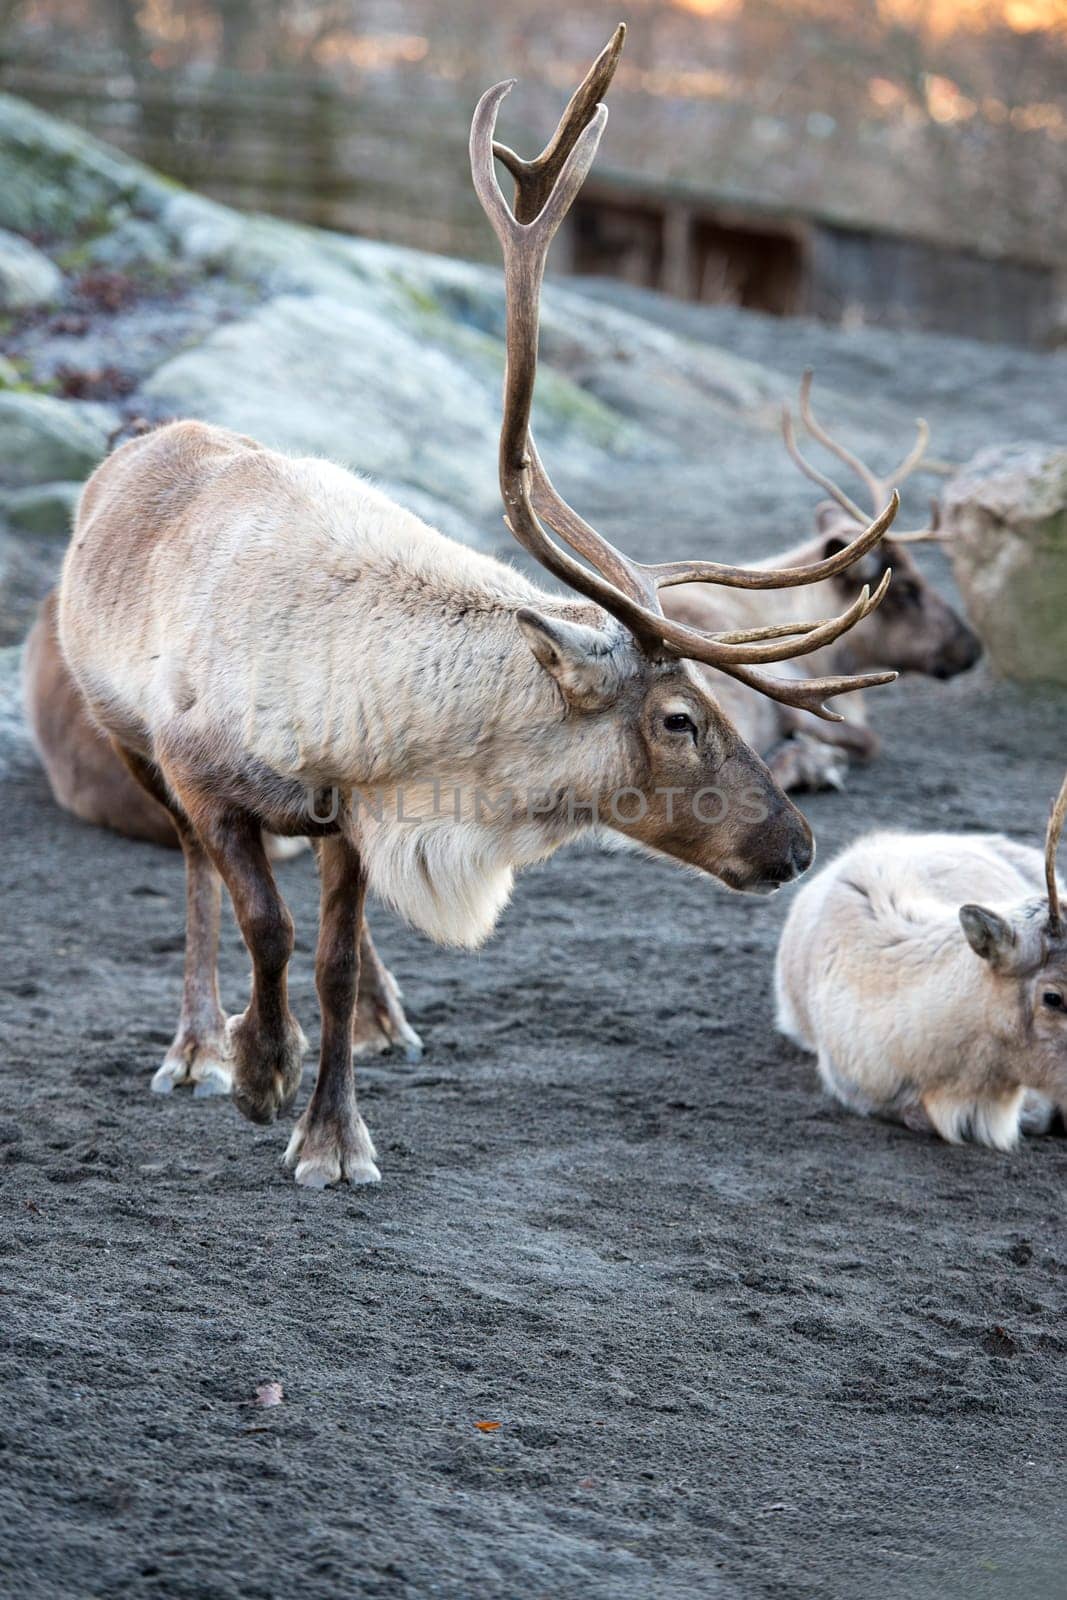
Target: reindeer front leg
806,764
815,754
331,1141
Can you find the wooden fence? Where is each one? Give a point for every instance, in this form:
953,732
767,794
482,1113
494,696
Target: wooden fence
389,163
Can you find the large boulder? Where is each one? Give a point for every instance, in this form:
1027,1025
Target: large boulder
46,508
1007,514
318,377
27,277
16,745
57,181
44,440
379,382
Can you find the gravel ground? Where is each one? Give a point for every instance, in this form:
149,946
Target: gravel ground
737,1342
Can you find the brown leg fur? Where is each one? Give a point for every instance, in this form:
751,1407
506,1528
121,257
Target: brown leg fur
199,1054
266,1042
331,1141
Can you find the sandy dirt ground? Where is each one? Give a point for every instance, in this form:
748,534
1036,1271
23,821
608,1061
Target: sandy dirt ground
737,1342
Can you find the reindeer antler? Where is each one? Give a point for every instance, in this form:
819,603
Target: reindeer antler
545,191
877,488
1052,844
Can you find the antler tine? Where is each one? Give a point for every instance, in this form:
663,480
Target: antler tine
534,180
539,232
808,694
811,636
714,650
614,585
914,455
876,486
668,573
825,483
1052,844
933,533
623,588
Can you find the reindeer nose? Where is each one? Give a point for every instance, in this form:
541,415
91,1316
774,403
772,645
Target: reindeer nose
970,650
799,859
803,854
964,651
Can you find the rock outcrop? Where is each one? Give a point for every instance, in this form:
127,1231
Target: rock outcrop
43,439
28,278
1007,514
660,420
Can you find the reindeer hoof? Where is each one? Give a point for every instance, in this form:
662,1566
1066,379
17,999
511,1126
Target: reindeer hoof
382,1034
267,1071
332,1151
205,1068
380,1023
803,763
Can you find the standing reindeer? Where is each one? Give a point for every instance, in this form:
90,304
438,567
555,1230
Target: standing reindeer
251,629
914,630
920,1003
90,779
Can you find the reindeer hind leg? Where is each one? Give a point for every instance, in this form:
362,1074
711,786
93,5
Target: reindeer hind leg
380,1024
199,1056
330,1142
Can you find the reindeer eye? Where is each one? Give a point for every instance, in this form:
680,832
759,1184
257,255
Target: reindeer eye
678,722
1053,999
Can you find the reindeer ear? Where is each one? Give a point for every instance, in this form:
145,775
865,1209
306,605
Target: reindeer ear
988,935
577,656
828,515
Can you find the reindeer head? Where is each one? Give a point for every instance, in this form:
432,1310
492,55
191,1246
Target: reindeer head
1026,951
629,669
915,630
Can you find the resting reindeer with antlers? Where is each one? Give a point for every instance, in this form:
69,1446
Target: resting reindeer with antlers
914,630
249,628
923,1005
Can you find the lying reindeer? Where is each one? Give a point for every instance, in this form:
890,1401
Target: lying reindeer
251,630
914,630
922,1004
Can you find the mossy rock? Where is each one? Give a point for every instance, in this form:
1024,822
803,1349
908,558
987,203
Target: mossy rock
43,508
1007,514
16,746
59,182
45,441
27,277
